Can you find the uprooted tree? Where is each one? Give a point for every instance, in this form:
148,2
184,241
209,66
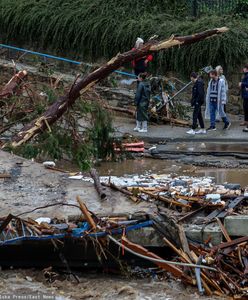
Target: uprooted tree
59,107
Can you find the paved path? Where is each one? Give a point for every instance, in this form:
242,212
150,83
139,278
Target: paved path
157,133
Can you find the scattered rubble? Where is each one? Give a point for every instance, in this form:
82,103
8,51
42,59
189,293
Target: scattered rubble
215,269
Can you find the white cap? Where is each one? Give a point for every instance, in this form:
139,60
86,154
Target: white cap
138,42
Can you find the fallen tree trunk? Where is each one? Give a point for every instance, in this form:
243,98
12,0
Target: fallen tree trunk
117,188
10,88
120,109
59,107
97,183
175,121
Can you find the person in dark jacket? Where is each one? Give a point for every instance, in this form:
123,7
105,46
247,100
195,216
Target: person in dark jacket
244,93
140,64
197,101
142,99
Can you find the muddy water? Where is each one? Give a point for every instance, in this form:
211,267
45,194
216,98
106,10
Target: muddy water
148,166
209,146
90,286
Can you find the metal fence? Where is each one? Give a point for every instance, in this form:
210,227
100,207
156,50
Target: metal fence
200,7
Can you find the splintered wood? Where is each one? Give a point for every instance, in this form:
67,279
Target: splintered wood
11,87
64,102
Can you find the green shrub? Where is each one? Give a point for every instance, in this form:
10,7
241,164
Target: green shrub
89,30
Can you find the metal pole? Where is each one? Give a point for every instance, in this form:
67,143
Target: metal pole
179,92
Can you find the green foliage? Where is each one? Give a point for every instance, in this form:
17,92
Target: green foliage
180,110
242,8
95,142
28,151
89,30
101,133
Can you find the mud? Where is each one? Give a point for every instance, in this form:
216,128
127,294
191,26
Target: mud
32,185
95,286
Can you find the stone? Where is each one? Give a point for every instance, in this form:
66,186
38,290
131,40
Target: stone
237,225
146,236
232,186
194,233
180,183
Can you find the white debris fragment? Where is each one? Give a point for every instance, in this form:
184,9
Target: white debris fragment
43,220
49,164
78,177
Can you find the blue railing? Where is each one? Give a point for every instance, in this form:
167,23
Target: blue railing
59,58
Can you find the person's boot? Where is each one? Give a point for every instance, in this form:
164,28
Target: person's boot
144,127
245,123
138,126
245,129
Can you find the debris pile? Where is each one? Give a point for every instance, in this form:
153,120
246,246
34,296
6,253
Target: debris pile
182,191
218,270
155,239
192,199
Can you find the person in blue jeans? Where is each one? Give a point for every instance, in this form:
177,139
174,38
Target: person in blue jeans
215,101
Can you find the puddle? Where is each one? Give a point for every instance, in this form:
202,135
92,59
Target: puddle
206,147
146,166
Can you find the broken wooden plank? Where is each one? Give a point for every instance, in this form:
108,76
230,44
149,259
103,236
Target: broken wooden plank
231,205
175,271
10,88
191,214
120,109
86,214
229,244
170,201
223,229
5,175
223,212
183,240
6,222
192,259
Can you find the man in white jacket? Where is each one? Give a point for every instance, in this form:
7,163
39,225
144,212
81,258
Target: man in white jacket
216,99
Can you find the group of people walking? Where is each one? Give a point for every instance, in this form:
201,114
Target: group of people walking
215,100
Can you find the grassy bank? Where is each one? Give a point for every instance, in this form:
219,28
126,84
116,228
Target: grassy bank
90,30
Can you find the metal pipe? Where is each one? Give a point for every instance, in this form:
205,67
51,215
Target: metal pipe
180,91
160,260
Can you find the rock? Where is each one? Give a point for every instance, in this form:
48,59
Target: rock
126,290
88,295
231,186
180,183
28,278
49,163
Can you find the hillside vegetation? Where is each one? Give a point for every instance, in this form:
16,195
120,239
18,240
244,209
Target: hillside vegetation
96,29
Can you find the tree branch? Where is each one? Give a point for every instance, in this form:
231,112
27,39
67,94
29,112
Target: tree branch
58,108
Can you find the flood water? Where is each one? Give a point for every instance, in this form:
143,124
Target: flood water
205,147
149,166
